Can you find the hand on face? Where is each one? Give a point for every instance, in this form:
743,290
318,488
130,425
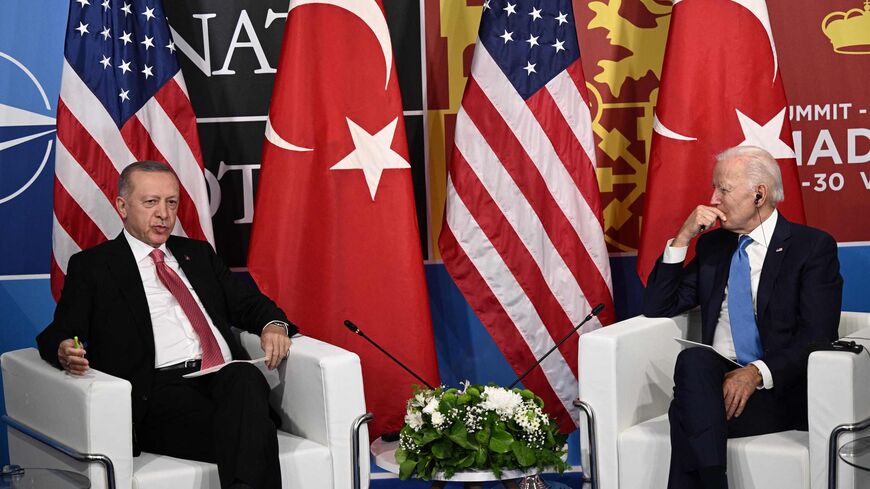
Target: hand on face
701,219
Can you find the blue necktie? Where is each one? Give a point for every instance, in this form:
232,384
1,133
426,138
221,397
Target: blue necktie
744,330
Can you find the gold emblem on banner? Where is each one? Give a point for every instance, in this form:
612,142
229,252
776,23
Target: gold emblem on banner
448,54
623,118
849,31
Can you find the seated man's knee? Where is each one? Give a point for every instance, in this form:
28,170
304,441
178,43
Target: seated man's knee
694,361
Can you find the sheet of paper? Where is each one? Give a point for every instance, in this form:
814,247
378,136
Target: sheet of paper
218,367
690,344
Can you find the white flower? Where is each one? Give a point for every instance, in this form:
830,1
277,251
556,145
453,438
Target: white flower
431,406
501,400
414,420
437,419
420,399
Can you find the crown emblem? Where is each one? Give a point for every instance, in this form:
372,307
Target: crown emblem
849,31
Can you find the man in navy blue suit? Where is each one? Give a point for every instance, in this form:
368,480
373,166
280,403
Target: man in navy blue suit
767,288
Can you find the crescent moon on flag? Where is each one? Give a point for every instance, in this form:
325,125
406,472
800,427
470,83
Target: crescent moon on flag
664,131
758,8
370,14
273,137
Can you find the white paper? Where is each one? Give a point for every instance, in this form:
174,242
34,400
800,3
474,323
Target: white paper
691,344
218,367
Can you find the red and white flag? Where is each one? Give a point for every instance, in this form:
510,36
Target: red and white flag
523,235
335,231
721,87
122,99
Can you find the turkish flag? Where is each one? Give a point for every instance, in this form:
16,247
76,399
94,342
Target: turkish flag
720,87
335,232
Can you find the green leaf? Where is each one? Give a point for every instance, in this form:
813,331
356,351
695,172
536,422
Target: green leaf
467,460
401,455
459,434
525,455
406,468
482,437
500,441
429,435
442,449
480,457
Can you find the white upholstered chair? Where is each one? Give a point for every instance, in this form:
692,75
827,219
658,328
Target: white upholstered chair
318,392
626,376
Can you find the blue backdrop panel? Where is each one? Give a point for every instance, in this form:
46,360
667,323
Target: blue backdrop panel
31,49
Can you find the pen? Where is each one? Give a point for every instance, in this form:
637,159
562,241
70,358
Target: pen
76,345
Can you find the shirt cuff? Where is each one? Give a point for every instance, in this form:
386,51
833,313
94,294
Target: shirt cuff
766,376
277,323
674,254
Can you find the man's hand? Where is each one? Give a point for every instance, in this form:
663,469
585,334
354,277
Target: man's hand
275,344
702,218
72,359
738,386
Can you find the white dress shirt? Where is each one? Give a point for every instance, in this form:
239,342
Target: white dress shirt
723,341
174,337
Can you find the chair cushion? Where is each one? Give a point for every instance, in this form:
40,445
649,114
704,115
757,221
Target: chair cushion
754,462
303,464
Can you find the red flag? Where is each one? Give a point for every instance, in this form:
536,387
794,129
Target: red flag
335,234
522,232
721,87
122,99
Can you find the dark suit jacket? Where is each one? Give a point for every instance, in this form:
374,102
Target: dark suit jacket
103,303
798,300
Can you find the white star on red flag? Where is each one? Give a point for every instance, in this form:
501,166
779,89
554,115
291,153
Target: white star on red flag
372,154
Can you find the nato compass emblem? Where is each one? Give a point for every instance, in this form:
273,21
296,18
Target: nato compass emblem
26,132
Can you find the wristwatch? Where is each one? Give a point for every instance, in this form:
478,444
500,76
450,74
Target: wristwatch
279,323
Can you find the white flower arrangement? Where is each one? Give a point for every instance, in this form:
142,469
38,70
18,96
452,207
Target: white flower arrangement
477,428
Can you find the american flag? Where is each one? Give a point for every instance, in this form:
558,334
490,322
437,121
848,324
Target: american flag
523,226
122,99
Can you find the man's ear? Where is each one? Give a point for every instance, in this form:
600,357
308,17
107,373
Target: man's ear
121,205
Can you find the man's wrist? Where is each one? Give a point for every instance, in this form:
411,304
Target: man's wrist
759,379
282,324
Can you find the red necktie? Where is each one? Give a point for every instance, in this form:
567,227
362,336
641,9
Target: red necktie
211,351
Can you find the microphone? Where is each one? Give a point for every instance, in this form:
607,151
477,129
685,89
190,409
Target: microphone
355,329
595,311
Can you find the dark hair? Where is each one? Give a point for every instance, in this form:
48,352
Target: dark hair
124,183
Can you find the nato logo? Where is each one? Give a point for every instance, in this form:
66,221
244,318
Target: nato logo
27,127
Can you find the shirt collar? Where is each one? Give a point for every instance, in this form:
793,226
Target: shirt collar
142,250
764,233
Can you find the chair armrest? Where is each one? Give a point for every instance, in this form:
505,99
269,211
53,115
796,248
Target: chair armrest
837,394
90,414
319,396
626,375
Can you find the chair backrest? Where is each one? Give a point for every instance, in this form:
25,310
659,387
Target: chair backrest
850,322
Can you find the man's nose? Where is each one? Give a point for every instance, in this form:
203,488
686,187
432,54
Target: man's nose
715,199
161,210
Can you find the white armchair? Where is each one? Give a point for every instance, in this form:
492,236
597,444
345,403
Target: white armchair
626,376
318,392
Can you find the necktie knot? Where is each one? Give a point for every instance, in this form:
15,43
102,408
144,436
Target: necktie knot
157,255
743,242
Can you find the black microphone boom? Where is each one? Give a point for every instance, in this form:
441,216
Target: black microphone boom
594,312
355,329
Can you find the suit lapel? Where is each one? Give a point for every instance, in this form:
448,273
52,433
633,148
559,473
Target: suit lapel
776,251
189,262
123,267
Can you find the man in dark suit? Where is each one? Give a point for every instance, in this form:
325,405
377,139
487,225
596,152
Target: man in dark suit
149,307
768,289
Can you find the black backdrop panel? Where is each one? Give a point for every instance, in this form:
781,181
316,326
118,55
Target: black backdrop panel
230,85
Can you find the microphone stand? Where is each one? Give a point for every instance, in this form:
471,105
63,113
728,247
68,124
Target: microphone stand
355,329
594,312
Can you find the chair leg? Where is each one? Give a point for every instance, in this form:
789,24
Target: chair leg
593,443
355,447
69,452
